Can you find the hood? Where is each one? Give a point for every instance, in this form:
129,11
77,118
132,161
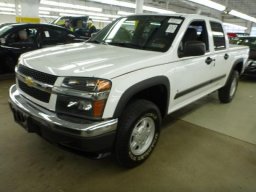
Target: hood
89,60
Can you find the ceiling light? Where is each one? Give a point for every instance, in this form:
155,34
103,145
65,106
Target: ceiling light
133,6
242,16
48,16
70,14
157,10
235,26
68,5
124,13
7,9
210,4
7,5
61,10
100,18
69,11
6,13
44,12
117,3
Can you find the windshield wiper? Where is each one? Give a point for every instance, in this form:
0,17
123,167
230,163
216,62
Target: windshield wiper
97,42
128,45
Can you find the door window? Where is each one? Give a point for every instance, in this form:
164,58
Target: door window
196,31
52,36
25,37
218,36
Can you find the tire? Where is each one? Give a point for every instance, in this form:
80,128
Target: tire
227,93
128,152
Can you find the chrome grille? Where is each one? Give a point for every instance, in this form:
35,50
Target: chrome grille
37,75
33,92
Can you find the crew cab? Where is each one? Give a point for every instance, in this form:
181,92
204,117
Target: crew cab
111,93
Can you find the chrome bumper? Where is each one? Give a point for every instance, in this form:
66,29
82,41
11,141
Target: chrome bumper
51,120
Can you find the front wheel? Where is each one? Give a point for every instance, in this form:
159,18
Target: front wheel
138,133
227,93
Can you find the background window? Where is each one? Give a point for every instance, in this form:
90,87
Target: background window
51,36
27,35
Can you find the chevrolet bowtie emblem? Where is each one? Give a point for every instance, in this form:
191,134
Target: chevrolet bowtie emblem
29,81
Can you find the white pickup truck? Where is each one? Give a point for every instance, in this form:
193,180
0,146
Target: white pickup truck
111,93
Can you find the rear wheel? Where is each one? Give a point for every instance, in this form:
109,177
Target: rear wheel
138,133
227,93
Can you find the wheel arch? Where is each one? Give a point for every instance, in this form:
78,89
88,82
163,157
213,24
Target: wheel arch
238,66
141,89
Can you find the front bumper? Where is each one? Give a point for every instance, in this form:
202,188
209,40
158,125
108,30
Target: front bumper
89,136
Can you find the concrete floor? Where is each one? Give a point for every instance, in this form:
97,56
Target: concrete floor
188,157
236,119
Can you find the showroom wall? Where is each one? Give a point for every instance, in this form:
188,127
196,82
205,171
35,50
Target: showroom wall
7,18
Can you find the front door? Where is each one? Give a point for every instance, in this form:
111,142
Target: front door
18,42
192,75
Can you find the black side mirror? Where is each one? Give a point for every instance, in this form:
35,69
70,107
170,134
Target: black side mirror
194,48
94,34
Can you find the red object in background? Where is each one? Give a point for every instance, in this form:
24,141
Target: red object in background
232,35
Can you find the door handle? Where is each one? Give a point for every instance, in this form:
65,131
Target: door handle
209,60
226,56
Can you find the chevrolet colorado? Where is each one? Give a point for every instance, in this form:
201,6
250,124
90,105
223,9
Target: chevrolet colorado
111,93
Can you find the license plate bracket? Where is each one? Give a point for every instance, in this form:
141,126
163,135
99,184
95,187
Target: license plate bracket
22,118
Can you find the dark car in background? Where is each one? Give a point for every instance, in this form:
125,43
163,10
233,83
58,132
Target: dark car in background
251,43
16,39
76,24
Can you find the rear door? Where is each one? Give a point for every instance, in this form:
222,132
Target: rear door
221,54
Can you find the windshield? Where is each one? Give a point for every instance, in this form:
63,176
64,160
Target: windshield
4,29
155,33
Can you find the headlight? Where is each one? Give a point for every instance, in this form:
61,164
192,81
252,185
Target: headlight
83,97
87,84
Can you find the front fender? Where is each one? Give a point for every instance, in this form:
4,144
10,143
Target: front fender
138,87
125,87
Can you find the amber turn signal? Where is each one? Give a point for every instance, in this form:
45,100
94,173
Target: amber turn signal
103,85
98,107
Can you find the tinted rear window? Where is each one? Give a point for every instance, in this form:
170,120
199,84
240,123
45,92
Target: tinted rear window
218,36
